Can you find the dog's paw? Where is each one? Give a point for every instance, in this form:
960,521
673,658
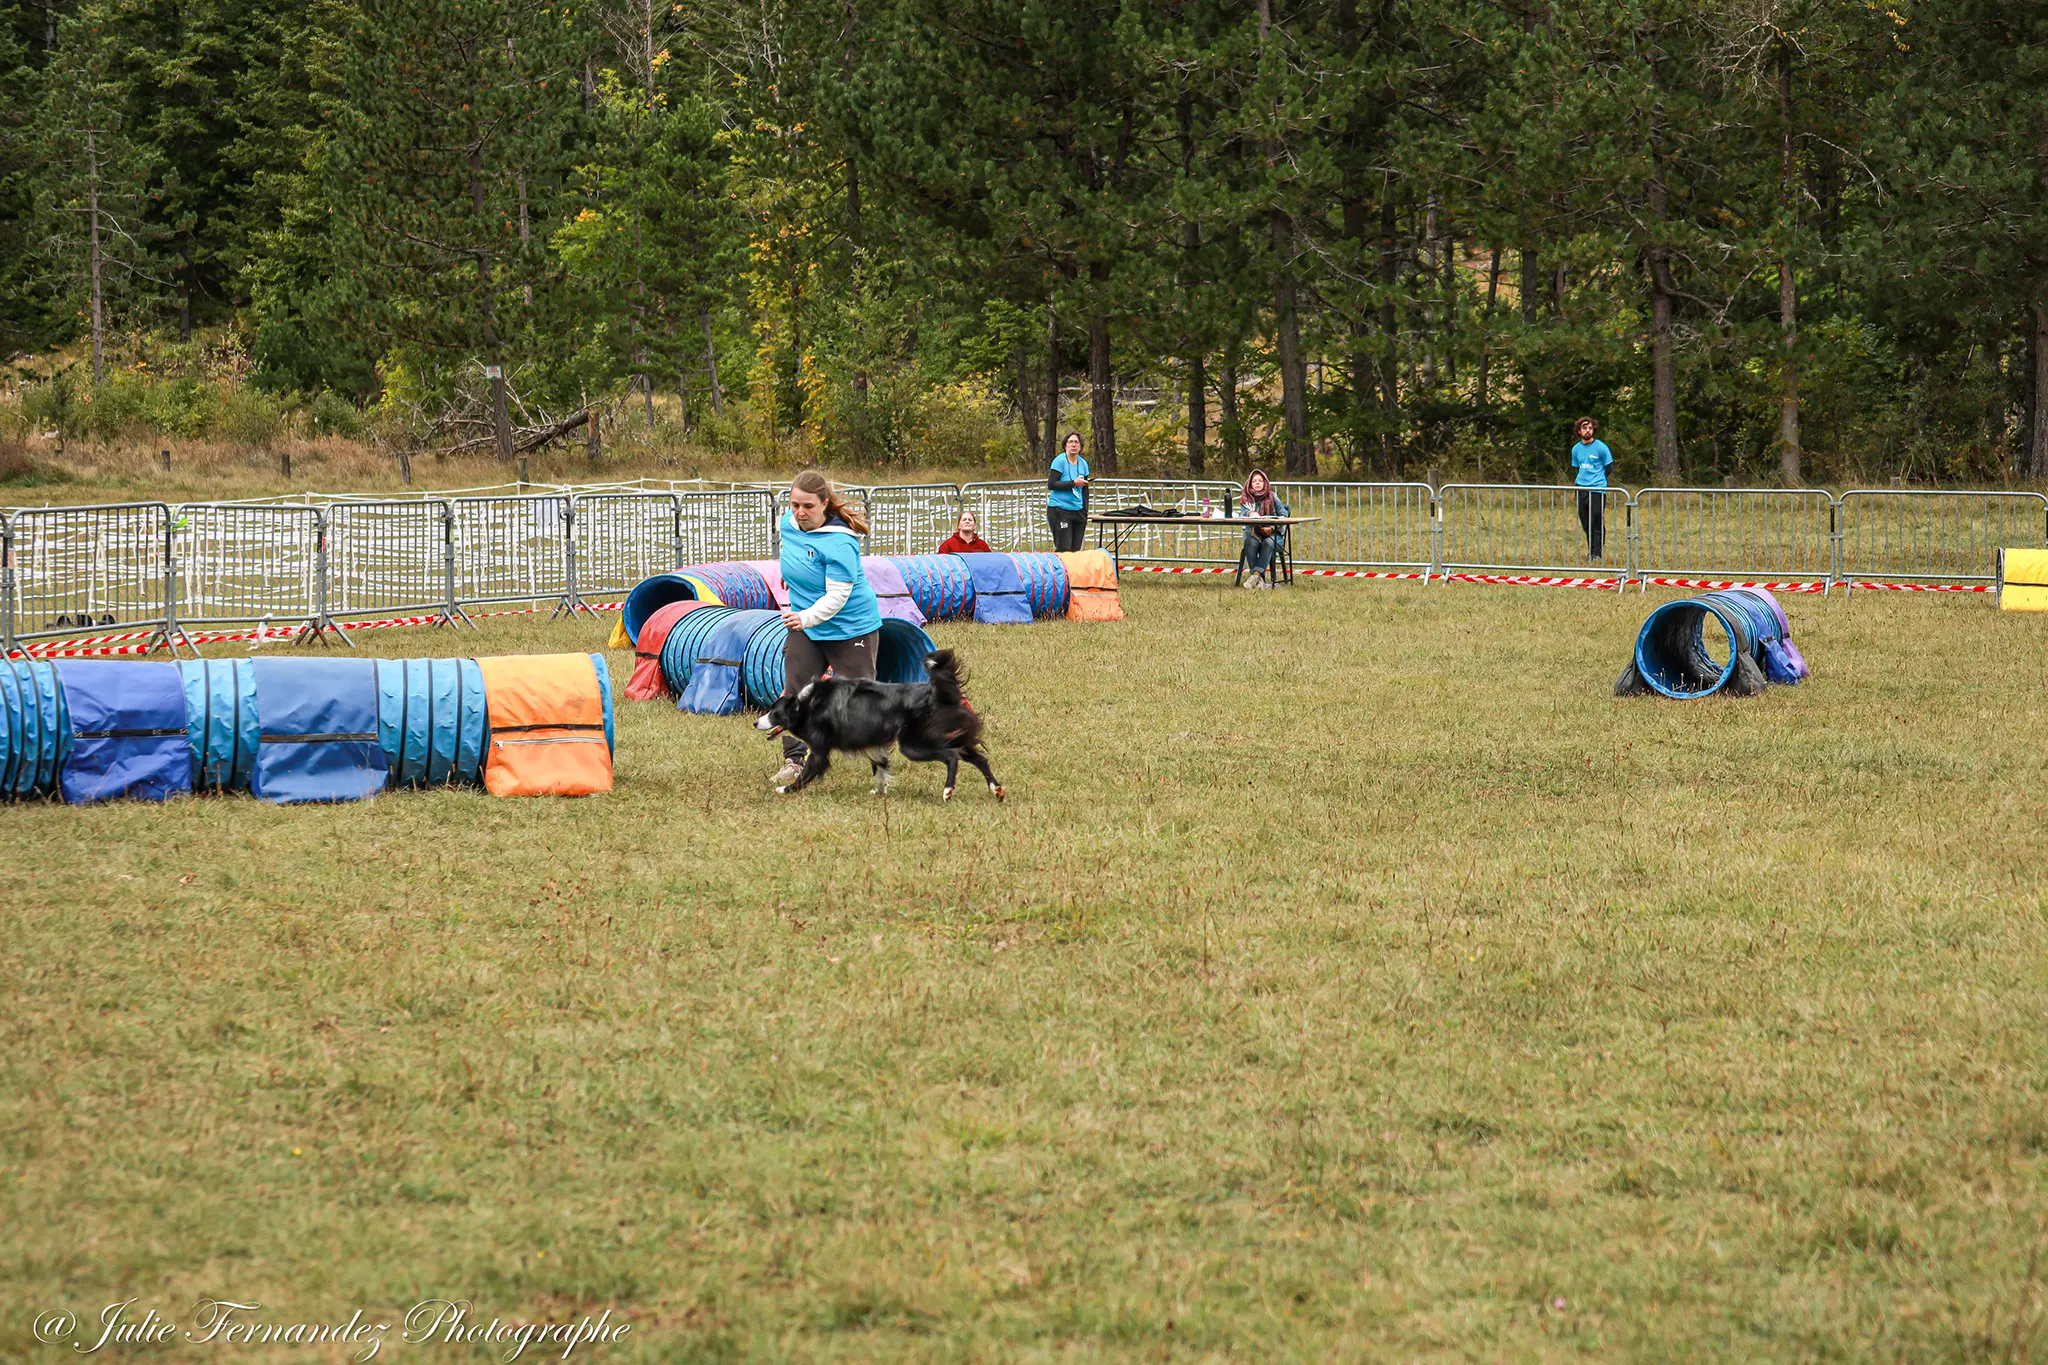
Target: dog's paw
783,791
946,795
993,787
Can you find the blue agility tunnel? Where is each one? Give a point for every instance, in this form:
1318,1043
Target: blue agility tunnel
999,596
650,595
431,720
1673,657
129,735
716,686
899,658
940,585
1045,582
35,732
738,584
679,650
220,722
319,737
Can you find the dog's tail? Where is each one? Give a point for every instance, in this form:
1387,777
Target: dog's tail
948,675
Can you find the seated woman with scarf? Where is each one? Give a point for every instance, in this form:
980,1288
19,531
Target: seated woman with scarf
1261,543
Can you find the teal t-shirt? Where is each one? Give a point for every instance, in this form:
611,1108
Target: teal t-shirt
1591,459
1068,499
809,558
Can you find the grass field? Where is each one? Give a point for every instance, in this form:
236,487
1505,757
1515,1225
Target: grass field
1348,977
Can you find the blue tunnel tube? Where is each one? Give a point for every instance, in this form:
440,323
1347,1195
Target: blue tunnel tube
679,650
431,719
650,595
940,585
716,686
320,739
604,693
899,658
1045,582
220,719
37,728
1671,651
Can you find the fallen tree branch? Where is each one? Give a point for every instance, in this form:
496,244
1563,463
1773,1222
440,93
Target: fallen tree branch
524,440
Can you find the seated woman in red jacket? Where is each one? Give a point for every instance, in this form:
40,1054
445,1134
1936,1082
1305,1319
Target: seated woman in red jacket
965,540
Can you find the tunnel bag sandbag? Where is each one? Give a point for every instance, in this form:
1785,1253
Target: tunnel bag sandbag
220,722
892,594
318,739
999,596
716,686
547,726
1091,586
128,731
2022,580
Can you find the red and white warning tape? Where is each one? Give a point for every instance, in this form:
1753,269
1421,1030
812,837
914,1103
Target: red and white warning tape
103,646
1928,587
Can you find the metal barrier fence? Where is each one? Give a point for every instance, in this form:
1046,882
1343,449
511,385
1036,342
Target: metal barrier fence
1721,532
139,570
241,563
1896,535
1539,529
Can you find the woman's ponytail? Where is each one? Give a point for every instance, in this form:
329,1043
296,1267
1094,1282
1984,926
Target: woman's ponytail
820,487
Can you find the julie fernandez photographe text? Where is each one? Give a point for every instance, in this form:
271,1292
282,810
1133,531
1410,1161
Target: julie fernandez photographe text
230,1323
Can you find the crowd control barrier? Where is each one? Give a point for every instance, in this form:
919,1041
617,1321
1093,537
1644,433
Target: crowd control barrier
130,578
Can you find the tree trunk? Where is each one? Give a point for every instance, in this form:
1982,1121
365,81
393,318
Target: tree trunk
1788,287
1226,403
711,364
860,373
1052,386
1191,246
96,262
1486,335
2037,438
1788,377
1390,363
1101,396
1532,276
1027,401
1298,455
1663,368
1198,416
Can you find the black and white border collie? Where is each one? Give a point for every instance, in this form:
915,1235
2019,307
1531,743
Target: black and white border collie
930,721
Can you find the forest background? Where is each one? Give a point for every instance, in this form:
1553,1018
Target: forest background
1763,241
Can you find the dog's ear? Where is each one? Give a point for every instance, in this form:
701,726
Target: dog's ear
804,693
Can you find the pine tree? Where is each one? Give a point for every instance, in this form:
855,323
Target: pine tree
90,206
450,147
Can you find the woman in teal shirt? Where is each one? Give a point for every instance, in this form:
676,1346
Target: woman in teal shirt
1590,457
1066,498
833,617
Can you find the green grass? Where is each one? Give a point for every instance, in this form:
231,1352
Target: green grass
1348,976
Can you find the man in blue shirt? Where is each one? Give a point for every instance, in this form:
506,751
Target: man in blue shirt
1590,457
1066,501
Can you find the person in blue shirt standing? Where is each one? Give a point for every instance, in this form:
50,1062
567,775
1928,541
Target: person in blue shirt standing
1066,499
833,617
1590,457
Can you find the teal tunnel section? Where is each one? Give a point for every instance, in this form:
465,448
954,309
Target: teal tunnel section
899,658
431,720
35,728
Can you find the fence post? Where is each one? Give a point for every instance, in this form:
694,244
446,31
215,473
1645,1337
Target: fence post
675,530
1834,546
1436,536
1629,569
451,611
571,601
321,622
171,632
6,584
